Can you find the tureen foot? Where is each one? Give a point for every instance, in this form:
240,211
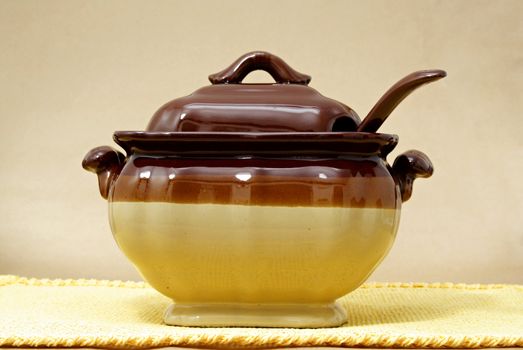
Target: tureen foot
256,315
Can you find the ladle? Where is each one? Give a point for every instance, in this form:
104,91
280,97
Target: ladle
397,93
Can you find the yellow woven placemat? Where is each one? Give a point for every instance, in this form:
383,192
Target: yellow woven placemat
92,313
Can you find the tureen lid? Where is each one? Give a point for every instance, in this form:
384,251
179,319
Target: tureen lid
228,105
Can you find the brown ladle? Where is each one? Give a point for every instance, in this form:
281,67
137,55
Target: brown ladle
397,93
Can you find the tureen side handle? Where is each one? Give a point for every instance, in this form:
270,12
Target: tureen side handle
106,162
407,167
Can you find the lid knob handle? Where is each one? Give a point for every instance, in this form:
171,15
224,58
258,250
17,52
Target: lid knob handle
259,60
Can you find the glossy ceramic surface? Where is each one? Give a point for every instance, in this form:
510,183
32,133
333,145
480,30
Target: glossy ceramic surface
248,207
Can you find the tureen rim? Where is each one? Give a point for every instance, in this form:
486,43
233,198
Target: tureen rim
291,143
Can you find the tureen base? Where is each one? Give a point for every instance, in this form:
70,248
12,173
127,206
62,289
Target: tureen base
256,315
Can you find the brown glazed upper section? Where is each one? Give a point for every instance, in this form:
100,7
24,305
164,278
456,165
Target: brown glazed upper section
356,182
276,169
229,106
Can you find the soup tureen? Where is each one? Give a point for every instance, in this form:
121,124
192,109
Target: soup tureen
258,204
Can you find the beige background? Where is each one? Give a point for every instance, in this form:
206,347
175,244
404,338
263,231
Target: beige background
72,72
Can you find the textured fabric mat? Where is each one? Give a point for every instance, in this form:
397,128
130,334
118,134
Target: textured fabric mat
92,313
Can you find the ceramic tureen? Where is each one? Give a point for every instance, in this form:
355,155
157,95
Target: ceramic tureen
258,204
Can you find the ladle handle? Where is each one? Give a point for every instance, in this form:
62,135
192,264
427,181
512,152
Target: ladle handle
259,60
397,93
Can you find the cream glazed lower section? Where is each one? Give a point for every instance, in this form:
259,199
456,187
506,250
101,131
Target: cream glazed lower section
241,265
